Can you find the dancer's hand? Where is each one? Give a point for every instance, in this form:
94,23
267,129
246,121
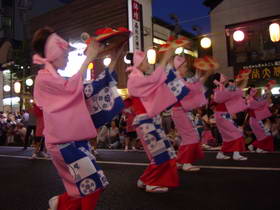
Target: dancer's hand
93,50
116,55
167,56
203,75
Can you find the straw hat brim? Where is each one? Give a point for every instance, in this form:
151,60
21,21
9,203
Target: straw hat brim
173,44
113,40
118,34
203,65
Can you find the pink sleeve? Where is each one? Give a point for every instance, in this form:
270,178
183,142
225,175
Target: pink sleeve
142,86
47,86
196,97
220,96
253,104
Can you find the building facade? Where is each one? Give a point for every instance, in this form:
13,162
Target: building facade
72,17
256,51
87,16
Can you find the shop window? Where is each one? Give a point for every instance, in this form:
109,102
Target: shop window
7,3
7,21
256,46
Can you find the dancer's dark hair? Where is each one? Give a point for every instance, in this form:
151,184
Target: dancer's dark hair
39,40
210,85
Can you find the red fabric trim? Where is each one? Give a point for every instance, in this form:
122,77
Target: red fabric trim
220,107
89,202
66,202
266,144
178,104
237,145
190,153
138,106
164,175
251,113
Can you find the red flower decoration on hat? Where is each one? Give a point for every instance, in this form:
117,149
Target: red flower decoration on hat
273,82
179,41
104,31
270,84
171,38
206,63
165,45
88,41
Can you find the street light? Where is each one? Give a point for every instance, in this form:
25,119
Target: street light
7,88
274,32
29,82
179,50
107,61
205,42
127,61
238,36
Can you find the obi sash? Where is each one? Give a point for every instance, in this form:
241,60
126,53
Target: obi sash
157,142
176,85
82,166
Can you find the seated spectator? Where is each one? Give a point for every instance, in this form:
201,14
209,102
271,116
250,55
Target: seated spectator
103,136
21,131
114,137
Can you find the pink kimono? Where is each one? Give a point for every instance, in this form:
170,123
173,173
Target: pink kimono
154,88
151,90
149,99
64,98
68,127
258,111
233,140
190,148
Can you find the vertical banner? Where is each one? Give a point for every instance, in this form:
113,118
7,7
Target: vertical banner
135,19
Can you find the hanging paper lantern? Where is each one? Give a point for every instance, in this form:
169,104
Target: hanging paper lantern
17,87
152,56
205,42
274,32
238,36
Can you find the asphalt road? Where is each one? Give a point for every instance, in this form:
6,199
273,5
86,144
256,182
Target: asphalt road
219,185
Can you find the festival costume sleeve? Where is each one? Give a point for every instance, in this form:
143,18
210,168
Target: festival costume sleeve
260,108
221,96
62,101
196,97
140,85
152,91
232,99
47,86
253,104
236,103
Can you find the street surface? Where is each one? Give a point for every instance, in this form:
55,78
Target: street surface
220,184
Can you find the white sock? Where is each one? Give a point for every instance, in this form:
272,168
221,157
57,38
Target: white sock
221,153
236,154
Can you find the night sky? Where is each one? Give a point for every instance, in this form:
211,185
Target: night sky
186,10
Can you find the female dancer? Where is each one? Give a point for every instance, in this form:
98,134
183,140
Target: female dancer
66,136
227,101
190,147
162,173
258,111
